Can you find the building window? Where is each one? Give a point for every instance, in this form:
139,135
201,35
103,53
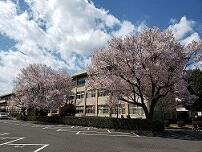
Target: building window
79,109
91,93
133,109
121,109
103,109
81,81
71,97
80,94
114,110
90,109
74,83
102,93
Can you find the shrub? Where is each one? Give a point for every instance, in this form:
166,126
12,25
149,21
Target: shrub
181,123
104,122
67,110
21,117
37,112
166,123
199,123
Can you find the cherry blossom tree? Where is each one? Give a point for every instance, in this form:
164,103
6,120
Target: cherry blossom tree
40,87
142,69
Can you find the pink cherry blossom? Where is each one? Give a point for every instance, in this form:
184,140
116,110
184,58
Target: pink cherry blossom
141,69
39,86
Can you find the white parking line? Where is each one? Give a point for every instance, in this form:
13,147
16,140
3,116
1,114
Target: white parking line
37,150
35,126
45,128
41,148
109,135
9,137
90,131
12,141
108,131
78,132
4,134
136,135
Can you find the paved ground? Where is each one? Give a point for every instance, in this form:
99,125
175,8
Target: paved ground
17,136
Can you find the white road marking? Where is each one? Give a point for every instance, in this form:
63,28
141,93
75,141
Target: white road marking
37,150
27,144
136,135
78,132
90,131
129,133
6,143
108,131
45,128
17,146
9,137
4,134
11,143
72,126
108,135
88,128
41,148
59,130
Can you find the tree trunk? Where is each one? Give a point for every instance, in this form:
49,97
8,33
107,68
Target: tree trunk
149,114
110,112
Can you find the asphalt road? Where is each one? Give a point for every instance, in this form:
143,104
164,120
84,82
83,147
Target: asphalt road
17,136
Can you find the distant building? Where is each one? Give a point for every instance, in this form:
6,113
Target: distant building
88,102
7,104
91,102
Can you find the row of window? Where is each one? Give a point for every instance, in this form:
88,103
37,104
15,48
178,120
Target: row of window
80,94
91,93
79,82
89,109
104,109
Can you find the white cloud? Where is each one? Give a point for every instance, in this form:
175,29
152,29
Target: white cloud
184,30
193,37
126,28
196,65
59,33
62,33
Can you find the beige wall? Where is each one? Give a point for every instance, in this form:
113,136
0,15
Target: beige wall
100,101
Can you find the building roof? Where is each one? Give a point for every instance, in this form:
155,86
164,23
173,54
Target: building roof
6,95
80,73
77,74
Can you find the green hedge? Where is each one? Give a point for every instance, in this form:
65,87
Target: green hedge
199,123
103,122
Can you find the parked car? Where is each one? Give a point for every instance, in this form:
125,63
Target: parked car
4,115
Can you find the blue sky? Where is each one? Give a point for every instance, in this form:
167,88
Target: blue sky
154,12
63,33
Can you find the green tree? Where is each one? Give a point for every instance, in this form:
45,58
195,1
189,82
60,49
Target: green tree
195,87
196,82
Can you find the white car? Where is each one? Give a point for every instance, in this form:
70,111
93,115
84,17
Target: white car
3,115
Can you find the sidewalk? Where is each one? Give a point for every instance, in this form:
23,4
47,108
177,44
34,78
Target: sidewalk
175,126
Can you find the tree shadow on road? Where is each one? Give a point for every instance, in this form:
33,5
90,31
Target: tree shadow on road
181,134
